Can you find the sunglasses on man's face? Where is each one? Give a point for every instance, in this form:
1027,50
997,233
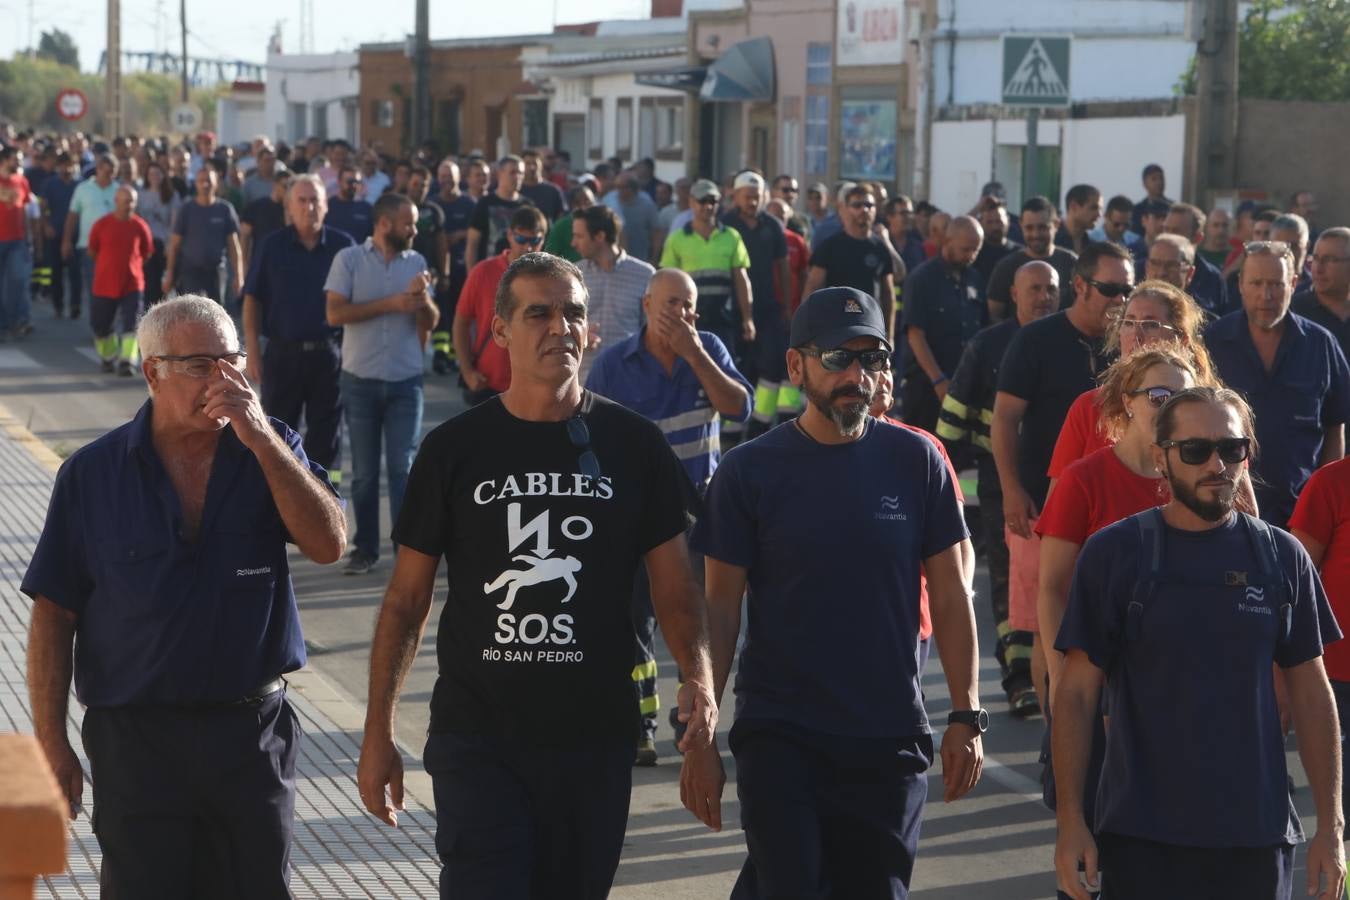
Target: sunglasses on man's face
1156,395
708,201
526,238
1197,451
1110,288
839,359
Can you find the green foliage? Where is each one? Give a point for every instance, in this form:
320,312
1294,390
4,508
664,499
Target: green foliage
59,47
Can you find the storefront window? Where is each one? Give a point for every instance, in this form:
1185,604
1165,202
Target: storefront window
867,131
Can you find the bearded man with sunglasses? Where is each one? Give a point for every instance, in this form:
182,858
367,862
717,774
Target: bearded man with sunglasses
543,501
1290,370
1180,614
164,553
831,737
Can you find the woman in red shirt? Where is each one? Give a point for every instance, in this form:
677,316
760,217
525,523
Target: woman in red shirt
1321,522
1113,482
1156,312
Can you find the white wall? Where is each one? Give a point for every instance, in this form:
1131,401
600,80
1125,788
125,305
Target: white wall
962,160
319,78
239,119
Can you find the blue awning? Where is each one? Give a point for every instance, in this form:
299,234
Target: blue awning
743,74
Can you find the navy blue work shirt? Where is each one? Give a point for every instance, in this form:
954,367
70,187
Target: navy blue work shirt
287,279
1207,287
949,305
1306,391
355,217
163,620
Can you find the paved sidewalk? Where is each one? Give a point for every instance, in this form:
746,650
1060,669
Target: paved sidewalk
339,851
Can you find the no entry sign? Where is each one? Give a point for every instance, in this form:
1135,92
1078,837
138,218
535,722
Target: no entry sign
72,104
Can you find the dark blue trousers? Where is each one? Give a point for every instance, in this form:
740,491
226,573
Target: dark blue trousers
1135,869
518,822
299,382
194,802
825,816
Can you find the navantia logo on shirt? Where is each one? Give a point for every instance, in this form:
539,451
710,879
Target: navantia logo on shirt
890,510
539,569
1253,601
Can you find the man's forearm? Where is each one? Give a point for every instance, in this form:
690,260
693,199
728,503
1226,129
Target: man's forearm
349,313
459,334
740,285
1315,720
72,225
398,634
252,325
680,612
727,395
887,303
307,507
51,637
923,354
724,628
1003,435
1333,445
951,603
1071,742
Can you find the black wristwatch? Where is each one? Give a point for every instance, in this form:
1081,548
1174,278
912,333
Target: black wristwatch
975,718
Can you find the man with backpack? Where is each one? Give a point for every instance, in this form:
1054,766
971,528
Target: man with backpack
1179,614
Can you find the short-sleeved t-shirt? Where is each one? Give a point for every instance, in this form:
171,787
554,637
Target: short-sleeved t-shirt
204,230
1323,513
547,197
1195,661
120,248
1094,492
1081,435
492,219
1048,364
91,203
832,648
352,217
458,213
765,245
855,263
948,305
541,563
430,225
14,196
1001,281
477,304
264,217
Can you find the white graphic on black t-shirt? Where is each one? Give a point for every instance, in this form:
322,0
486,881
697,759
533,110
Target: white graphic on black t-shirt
541,570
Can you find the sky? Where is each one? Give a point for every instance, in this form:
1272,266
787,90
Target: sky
239,29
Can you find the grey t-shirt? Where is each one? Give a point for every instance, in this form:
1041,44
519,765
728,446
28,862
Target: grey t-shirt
204,230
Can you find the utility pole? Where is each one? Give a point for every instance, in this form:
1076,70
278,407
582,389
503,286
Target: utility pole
1214,134
421,130
112,86
182,22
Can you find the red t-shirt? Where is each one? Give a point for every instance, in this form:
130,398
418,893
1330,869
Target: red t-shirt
14,196
925,617
1323,513
799,257
1080,435
476,302
120,248
1096,491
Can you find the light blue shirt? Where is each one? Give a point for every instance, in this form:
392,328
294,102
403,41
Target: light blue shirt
385,347
1098,234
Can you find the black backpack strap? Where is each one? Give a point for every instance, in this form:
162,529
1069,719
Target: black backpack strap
1152,533
1266,551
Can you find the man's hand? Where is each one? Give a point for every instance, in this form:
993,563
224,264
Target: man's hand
70,774
420,283
748,330
475,379
702,779
941,390
698,711
1326,855
380,765
1018,511
229,399
681,334
593,340
962,761
1075,845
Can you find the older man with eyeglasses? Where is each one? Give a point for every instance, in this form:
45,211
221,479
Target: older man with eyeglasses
163,564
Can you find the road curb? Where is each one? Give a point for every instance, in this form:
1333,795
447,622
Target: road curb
17,431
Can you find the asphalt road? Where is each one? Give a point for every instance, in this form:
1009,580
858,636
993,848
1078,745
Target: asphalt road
995,843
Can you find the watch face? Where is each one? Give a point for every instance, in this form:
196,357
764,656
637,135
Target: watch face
982,720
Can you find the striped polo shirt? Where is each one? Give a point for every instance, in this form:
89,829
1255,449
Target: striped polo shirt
709,262
614,301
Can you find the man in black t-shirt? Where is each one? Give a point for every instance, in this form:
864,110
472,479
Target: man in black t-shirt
491,220
543,194
262,217
544,501
432,240
856,257
1039,221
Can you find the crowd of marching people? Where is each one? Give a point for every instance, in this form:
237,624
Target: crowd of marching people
1152,397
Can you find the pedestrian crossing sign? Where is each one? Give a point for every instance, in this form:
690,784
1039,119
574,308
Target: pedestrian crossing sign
1035,70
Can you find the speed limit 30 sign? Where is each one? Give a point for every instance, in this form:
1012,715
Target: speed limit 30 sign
72,104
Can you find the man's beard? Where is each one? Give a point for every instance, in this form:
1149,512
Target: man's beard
848,418
397,242
1215,510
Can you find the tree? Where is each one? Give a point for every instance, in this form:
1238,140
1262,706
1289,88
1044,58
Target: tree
59,47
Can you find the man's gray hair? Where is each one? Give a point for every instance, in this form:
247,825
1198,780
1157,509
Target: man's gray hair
1185,249
309,178
157,325
1340,233
1292,222
534,265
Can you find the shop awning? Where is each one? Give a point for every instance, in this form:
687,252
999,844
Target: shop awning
681,78
744,73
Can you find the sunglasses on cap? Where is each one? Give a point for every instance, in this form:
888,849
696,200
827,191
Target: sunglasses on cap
1110,288
1156,395
839,359
1197,451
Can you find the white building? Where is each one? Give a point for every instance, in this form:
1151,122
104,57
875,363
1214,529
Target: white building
1126,60
240,113
313,94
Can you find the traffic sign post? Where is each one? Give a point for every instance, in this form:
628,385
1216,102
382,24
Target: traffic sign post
72,104
1035,75
186,118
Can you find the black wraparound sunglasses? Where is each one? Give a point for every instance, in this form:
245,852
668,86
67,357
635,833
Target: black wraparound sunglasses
839,359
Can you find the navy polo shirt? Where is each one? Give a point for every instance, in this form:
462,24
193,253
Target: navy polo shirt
1207,287
355,217
1306,304
629,374
164,620
948,304
287,279
1307,390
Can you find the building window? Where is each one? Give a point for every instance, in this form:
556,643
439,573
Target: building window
817,133
646,148
321,120
867,133
670,129
818,64
623,130
535,117
595,129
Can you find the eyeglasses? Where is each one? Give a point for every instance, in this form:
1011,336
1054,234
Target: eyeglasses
840,359
707,201
1146,327
862,206
1327,259
201,365
1110,288
526,238
1157,395
1197,451
580,436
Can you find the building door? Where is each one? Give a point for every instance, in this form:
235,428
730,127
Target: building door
763,139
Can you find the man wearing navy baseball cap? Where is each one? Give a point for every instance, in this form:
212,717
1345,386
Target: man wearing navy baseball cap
829,519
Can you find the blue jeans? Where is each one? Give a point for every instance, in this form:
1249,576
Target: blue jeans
16,268
375,409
